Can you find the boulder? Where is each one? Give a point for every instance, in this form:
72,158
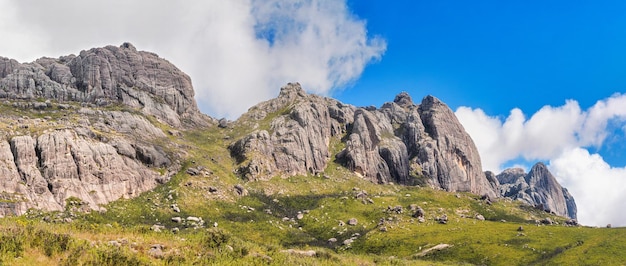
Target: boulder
240,190
419,212
156,251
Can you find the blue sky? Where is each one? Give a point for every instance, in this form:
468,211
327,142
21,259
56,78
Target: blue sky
497,55
529,80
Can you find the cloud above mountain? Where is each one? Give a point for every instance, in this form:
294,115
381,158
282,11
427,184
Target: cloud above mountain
562,136
237,52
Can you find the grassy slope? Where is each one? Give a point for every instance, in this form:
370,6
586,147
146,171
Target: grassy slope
252,229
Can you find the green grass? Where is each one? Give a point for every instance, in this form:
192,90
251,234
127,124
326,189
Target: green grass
255,229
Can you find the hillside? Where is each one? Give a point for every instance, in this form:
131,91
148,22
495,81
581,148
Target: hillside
92,178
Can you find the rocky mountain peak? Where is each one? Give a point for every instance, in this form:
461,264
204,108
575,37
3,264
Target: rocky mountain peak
401,142
128,45
292,91
538,188
539,173
104,76
64,134
430,102
403,99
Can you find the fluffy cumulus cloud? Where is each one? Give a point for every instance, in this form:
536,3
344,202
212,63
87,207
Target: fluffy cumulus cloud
562,136
237,52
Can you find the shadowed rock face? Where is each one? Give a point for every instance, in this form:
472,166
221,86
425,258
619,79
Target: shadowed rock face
400,142
104,76
538,188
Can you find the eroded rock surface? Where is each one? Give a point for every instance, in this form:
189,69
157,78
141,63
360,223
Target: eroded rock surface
292,134
85,138
537,188
401,142
104,76
43,172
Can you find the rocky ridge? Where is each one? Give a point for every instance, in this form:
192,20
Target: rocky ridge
105,76
77,127
86,135
537,188
401,142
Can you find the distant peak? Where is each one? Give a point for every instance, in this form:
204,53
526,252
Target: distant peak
539,167
128,45
403,99
429,99
292,90
515,170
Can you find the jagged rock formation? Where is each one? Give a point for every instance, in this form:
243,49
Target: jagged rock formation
292,134
537,188
105,76
70,128
85,138
94,155
400,142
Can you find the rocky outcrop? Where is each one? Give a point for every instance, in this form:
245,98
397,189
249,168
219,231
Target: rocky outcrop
456,163
292,134
104,76
73,148
537,188
401,142
42,172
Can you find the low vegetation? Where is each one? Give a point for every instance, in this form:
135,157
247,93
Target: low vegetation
332,218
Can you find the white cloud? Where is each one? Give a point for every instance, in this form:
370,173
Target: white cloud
597,187
560,135
544,135
237,52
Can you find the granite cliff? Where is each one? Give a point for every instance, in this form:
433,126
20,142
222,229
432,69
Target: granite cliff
104,76
537,188
90,126
80,127
402,142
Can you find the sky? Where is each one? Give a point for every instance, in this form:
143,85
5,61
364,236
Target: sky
531,81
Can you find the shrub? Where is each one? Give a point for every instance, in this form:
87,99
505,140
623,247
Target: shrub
215,238
12,244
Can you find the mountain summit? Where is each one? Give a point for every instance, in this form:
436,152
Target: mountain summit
104,76
102,125
402,142
538,188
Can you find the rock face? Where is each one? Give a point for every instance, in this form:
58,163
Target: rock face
292,134
43,172
104,76
401,142
89,143
538,188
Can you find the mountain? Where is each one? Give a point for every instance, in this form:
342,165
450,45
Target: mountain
79,126
104,76
103,140
537,188
107,161
402,142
